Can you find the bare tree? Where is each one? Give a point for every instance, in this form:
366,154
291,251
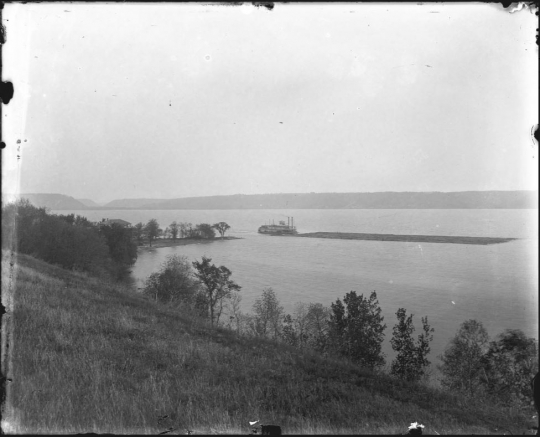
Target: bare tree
317,326
268,314
235,315
294,330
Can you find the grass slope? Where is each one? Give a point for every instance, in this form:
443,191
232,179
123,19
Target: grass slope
87,356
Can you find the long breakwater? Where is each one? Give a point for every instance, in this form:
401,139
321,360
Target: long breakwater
407,238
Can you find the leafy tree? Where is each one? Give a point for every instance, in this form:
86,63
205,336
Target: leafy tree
122,248
138,233
221,227
70,218
411,360
83,221
268,314
151,230
186,230
83,249
357,330
510,364
174,229
55,239
76,220
174,283
204,230
217,286
20,221
288,331
462,361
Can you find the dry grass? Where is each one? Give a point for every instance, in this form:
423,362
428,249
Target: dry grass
88,356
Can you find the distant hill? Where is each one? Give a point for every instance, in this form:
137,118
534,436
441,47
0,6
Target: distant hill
131,203
53,201
384,200
89,202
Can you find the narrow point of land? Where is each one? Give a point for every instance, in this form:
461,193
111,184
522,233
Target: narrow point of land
407,238
169,242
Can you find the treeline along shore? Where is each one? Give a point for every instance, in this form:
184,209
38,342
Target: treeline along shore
170,242
407,238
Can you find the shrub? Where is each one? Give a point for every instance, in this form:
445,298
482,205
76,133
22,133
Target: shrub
174,284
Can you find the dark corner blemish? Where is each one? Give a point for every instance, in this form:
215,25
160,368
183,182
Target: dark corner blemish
2,27
2,145
527,5
6,92
267,5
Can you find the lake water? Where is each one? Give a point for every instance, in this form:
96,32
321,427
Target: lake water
449,283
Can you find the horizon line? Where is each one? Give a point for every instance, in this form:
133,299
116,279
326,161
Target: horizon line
269,194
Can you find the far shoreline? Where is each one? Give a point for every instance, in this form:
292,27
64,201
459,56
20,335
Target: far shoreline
169,242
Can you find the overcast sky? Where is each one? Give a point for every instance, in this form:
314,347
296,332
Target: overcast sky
178,100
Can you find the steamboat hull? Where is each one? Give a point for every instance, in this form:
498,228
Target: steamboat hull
277,230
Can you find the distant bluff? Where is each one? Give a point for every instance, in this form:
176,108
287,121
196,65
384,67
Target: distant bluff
384,200
53,201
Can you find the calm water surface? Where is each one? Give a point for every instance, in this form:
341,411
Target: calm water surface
450,283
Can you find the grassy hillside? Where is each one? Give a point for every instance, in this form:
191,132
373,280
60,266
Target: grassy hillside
87,356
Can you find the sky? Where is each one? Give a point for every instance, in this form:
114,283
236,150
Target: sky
165,100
